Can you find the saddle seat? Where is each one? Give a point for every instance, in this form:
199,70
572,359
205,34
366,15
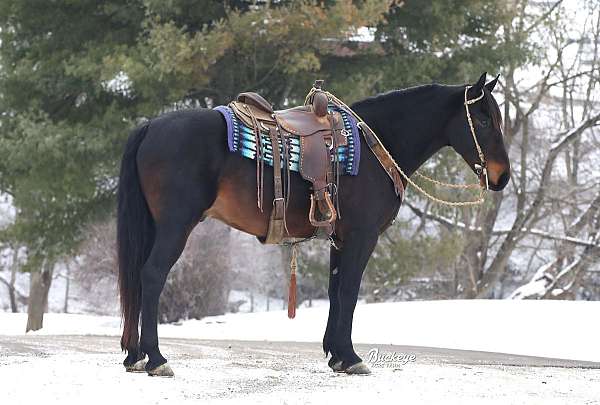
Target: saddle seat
320,132
299,121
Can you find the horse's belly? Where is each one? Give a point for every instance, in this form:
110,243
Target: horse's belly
236,204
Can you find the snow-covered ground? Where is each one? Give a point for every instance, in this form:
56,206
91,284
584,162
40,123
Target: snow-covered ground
557,329
57,365
78,370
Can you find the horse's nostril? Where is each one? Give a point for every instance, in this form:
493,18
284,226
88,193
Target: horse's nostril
503,179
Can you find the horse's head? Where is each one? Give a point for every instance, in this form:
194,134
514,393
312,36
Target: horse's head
487,126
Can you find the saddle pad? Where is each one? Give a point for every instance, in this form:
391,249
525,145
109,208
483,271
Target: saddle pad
242,140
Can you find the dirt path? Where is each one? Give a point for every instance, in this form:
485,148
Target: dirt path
86,369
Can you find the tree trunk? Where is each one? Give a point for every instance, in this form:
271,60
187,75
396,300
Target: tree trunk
39,286
68,282
13,278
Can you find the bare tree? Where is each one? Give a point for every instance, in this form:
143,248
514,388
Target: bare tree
14,295
94,271
198,285
549,132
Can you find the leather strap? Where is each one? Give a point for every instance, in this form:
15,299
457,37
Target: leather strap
259,159
278,203
379,152
276,229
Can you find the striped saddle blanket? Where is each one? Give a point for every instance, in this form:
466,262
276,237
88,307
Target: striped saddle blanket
242,140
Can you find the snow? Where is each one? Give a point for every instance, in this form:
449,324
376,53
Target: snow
364,34
261,301
104,301
535,288
64,370
590,122
538,284
62,324
544,328
7,210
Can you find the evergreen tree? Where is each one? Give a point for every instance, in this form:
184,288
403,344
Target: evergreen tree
76,76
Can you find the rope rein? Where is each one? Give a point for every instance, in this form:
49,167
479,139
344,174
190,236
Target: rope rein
480,168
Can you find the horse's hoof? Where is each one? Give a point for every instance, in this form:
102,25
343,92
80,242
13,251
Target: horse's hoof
164,370
358,369
137,367
335,365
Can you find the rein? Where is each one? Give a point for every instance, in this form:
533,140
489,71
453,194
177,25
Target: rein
481,168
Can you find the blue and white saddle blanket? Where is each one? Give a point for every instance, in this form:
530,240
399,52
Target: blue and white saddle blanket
242,140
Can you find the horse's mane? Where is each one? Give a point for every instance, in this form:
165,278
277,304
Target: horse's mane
397,94
400,95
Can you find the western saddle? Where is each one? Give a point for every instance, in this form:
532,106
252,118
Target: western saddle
320,131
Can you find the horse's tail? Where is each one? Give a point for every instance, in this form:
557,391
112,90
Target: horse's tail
135,237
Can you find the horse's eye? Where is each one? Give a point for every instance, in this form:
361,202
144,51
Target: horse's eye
484,123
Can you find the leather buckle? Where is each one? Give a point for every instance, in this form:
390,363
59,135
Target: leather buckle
328,142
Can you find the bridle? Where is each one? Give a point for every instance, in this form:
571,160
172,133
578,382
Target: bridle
480,168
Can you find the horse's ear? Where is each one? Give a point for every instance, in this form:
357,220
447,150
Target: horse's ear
490,86
477,88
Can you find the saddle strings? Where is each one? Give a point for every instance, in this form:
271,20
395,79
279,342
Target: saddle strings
259,160
337,178
478,201
286,182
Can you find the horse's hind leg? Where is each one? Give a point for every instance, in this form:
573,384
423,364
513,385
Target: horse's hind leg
182,211
169,243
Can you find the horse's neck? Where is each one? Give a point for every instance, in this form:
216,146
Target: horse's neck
410,125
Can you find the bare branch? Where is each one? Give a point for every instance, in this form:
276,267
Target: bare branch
22,297
451,224
542,17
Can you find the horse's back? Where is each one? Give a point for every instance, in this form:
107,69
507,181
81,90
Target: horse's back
185,134
180,160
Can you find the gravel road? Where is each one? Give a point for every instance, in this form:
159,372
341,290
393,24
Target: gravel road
87,370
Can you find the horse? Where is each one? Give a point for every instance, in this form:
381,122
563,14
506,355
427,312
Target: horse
176,170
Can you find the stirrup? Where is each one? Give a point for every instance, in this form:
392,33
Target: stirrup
330,207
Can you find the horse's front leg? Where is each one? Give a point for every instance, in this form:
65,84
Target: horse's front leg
354,255
334,283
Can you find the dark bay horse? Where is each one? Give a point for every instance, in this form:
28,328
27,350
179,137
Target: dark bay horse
177,170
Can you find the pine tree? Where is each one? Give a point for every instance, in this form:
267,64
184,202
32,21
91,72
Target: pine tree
76,76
